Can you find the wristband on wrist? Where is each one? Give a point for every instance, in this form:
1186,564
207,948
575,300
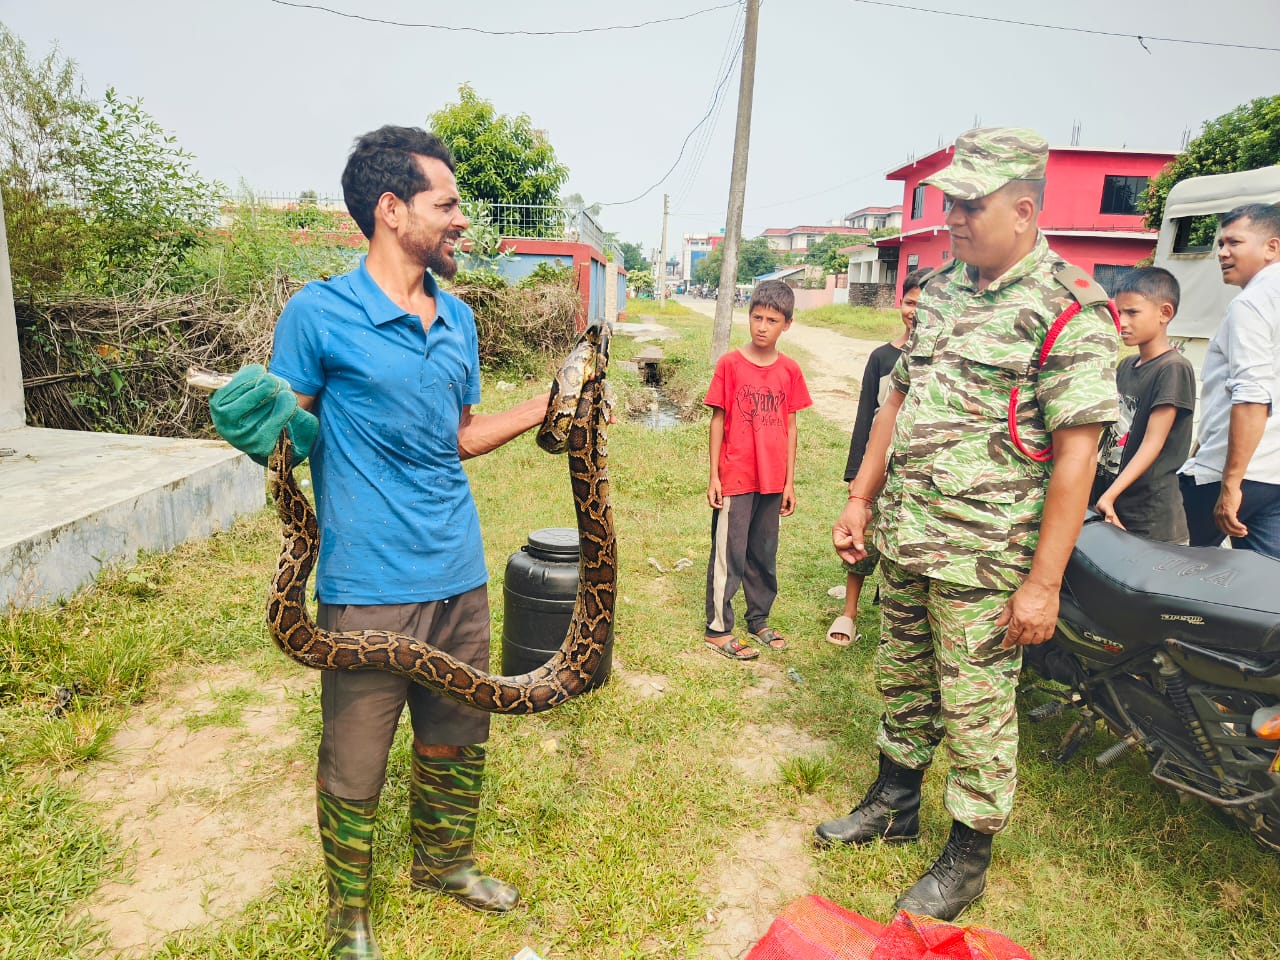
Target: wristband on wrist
855,496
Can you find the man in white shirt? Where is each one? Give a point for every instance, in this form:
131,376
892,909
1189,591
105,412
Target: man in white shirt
1231,484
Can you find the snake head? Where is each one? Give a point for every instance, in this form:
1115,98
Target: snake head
587,362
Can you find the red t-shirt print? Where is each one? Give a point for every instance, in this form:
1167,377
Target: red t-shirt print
761,407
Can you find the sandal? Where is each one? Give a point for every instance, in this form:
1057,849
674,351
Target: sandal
771,638
732,647
842,626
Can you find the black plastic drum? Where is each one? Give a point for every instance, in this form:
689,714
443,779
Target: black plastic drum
537,602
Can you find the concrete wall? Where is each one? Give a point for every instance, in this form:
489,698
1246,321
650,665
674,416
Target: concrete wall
12,411
880,295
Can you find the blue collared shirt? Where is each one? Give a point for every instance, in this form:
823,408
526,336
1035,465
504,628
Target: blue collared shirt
397,520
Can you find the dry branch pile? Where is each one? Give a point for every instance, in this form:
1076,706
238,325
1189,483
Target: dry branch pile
119,365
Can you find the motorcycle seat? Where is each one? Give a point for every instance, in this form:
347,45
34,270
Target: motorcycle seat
1225,599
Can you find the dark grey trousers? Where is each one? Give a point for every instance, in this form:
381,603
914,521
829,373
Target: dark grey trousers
361,709
744,552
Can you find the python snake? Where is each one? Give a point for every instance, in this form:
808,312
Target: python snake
575,423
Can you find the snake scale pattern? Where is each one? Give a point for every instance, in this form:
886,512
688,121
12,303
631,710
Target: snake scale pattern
575,424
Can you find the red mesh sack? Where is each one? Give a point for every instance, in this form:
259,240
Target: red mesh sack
910,937
814,928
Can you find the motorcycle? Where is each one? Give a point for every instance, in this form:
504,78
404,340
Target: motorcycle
1177,650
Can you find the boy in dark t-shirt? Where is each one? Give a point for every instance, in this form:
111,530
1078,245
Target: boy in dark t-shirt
875,387
1137,485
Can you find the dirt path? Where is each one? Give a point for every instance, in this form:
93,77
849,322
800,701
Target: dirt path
832,368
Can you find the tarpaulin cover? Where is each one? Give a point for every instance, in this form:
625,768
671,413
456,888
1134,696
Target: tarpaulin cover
814,928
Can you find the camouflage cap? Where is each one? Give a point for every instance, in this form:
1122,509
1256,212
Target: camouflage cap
987,158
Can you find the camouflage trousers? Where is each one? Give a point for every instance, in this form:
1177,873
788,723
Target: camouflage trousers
945,679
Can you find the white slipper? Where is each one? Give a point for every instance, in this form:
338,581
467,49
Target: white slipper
842,625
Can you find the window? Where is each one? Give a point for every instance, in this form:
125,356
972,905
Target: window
1194,234
1109,274
917,202
946,255
913,261
1120,194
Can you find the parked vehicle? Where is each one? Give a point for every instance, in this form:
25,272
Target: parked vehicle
1187,247
1177,650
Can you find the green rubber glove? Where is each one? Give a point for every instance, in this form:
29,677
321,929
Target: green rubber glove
251,410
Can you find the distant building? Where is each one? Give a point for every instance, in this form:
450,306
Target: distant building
799,239
695,247
875,218
1090,216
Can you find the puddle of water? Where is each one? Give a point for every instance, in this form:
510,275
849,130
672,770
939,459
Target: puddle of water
659,413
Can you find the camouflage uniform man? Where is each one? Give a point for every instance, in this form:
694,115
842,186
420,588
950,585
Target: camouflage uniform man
976,523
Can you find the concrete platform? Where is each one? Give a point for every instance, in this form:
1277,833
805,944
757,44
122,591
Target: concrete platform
72,502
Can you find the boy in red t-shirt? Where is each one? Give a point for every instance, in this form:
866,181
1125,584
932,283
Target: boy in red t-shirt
754,395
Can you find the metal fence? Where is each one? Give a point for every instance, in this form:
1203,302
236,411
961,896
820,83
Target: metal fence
513,220
545,222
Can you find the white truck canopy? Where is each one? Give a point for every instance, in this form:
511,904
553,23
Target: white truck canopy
1204,295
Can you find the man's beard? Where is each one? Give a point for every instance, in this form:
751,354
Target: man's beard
442,264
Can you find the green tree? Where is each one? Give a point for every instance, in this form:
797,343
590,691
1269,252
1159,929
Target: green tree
147,205
500,159
1246,138
826,253
96,195
44,116
754,258
640,282
633,257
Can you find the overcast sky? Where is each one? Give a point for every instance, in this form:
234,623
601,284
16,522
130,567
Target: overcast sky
844,91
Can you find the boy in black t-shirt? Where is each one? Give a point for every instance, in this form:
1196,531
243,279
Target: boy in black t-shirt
1137,487
875,387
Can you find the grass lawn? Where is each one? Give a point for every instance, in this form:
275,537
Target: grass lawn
865,323
626,816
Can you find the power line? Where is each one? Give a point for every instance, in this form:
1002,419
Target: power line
504,33
703,143
719,91
1140,37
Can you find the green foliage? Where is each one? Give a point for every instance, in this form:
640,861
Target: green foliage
146,205
1246,138
484,240
633,257
98,197
826,253
640,282
44,118
754,258
500,159
259,247
551,272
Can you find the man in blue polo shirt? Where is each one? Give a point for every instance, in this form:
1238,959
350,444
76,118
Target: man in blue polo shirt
389,365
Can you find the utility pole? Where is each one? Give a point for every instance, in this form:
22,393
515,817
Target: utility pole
662,265
737,188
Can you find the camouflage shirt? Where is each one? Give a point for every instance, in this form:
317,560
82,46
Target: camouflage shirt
960,502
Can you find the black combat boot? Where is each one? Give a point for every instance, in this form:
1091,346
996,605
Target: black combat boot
890,811
956,879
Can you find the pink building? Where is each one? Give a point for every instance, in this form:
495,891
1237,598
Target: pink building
1090,217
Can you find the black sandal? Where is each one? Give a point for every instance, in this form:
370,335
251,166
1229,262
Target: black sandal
771,638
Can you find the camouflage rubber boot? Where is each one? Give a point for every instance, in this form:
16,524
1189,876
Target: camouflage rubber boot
890,811
444,802
957,878
346,833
